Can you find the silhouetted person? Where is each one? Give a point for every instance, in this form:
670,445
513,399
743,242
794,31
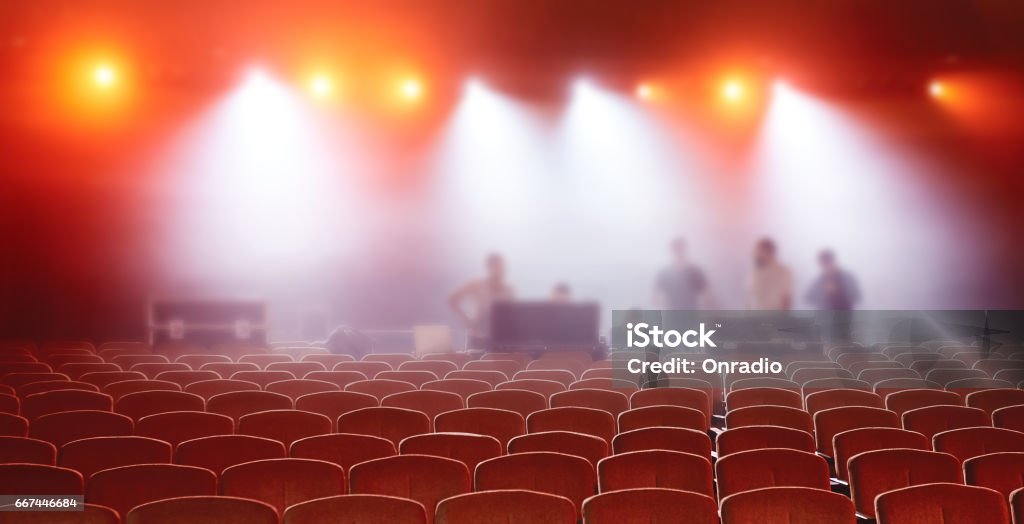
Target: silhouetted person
835,289
681,285
770,285
479,295
561,293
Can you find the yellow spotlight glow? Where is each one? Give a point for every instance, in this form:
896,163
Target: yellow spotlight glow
937,89
320,86
104,76
732,90
644,91
411,89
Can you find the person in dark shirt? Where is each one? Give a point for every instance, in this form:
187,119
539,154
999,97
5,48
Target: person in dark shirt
680,285
835,289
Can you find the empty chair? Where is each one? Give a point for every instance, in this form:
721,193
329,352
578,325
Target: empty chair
468,448
518,400
10,368
491,377
328,360
611,401
338,378
516,505
370,369
498,423
184,378
86,514
126,487
152,369
903,401
461,387
39,404
51,385
138,405
1017,505
925,367
857,368
239,403
942,502
76,369
748,397
393,424
851,442
126,387
946,375
673,396
992,399
226,369
672,416
57,361
573,367
970,442
430,403
355,509
297,369
544,387
343,449
19,380
380,388
797,504
439,368
837,398
875,472
589,421
89,455
764,382
1010,417
284,425
650,505
555,473
623,386
282,482
966,386
935,419
876,375
764,468
830,422
805,374
295,388
423,478
37,479
196,361
848,359
505,367
392,359
179,426
783,416
262,361
672,439
334,404
219,452
9,404
656,469
223,510
747,438
61,428
581,445
459,359
13,425
1003,472
823,384
127,361
27,450
101,379
262,377
416,378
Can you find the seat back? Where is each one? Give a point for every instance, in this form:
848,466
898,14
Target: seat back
555,473
582,445
498,423
343,449
936,419
651,505
423,478
764,468
393,424
942,502
38,479
518,400
468,448
798,504
179,426
39,404
240,403
461,387
61,428
967,443
656,469
748,438
334,404
27,450
671,416
89,455
223,510
828,423
673,439
1003,472
355,509
380,388
589,421
851,442
126,487
282,482
219,452
284,425
517,505
875,472
783,416
138,405
210,388
430,403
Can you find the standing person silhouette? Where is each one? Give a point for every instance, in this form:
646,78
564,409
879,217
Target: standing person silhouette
479,295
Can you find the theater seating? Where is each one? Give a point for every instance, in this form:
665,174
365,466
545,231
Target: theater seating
355,509
338,378
1003,472
673,439
423,478
217,453
334,404
37,479
467,448
1011,417
126,487
282,482
992,399
39,404
553,473
430,403
650,505
13,425
211,388
27,450
284,425
671,416
1017,506
902,401
295,388
343,449
673,396
521,401
61,428
582,445
942,502
748,438
875,472
656,469
240,403
393,424
783,416
87,456
90,514
613,402
763,397
794,504
967,443
515,505
461,387
138,405
589,421
223,510
380,388
117,390
849,443
498,423
830,422
935,419
542,386
179,426
836,398
762,468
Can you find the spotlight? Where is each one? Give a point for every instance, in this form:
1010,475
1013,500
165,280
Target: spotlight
104,76
937,89
411,89
320,86
732,90
644,91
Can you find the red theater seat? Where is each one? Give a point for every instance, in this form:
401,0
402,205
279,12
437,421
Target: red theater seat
748,397
748,438
826,384
126,387
1011,417
56,361
222,510
673,439
765,468
90,514
430,403
782,416
37,479
284,425
802,375
1017,506
611,401
656,469
544,387
650,505
830,422
52,385
855,441
179,426
555,375
226,369
9,404
264,360
574,367
89,455
219,452
903,401
498,423
297,369
671,416
392,359
328,360
393,424
837,398
459,359
518,400
874,376
596,422
284,481
334,404
39,404
673,396
990,400
76,369
423,478
343,449
966,443
13,425
461,387
468,448
61,428
195,361
184,378
794,504
102,379
516,505
1003,472
262,378
138,405
295,388
439,368
380,388
19,380
126,487
338,378
764,382
554,473
936,419
27,450
625,387
356,509
370,369
581,445
940,502
491,377
152,369
240,403
416,378
875,472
